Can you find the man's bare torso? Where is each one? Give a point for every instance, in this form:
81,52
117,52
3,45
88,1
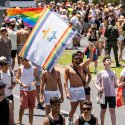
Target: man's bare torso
74,78
51,80
22,36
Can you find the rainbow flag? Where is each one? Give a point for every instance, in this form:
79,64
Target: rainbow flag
120,98
28,15
48,40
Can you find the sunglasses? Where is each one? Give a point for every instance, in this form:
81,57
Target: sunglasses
86,109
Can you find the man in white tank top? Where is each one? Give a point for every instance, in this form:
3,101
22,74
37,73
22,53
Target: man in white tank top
25,77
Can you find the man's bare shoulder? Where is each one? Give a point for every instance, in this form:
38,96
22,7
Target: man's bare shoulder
19,67
57,71
68,68
18,31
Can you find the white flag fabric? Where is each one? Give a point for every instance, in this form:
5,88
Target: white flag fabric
48,40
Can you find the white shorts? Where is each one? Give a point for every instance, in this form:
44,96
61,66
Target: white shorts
77,94
48,95
102,38
120,38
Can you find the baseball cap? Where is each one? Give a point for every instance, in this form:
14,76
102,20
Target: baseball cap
58,4
2,84
109,4
12,20
3,28
3,61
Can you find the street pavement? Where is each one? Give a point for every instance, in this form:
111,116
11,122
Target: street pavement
65,107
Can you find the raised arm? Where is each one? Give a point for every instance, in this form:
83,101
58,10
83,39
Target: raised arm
88,61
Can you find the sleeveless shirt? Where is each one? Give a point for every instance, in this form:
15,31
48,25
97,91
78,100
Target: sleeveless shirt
4,112
92,121
55,122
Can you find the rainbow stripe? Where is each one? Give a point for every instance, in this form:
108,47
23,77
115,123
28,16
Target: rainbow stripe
28,15
56,50
59,47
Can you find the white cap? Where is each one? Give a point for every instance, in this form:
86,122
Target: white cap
39,4
3,28
12,20
109,4
58,4
68,5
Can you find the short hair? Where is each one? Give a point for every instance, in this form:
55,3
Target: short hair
12,25
55,99
74,55
79,52
87,102
21,25
107,57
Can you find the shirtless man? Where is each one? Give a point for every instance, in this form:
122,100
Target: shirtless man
51,82
22,36
76,92
88,76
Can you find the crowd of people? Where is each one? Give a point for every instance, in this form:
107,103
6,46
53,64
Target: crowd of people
104,27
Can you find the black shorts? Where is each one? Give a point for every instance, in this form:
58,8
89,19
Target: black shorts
87,90
111,101
13,53
10,97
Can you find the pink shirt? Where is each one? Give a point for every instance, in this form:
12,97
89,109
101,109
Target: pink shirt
107,79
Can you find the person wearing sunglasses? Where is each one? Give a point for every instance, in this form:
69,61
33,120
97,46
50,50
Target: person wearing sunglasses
6,108
54,118
88,77
87,118
75,92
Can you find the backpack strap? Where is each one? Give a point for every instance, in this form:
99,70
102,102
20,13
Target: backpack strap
93,118
51,121
79,75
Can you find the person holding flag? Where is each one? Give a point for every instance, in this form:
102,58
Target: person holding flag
76,92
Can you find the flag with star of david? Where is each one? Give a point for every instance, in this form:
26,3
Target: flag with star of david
48,40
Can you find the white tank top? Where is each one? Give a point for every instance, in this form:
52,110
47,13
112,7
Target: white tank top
27,77
6,78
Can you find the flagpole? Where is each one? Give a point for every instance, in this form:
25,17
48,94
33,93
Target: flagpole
82,36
